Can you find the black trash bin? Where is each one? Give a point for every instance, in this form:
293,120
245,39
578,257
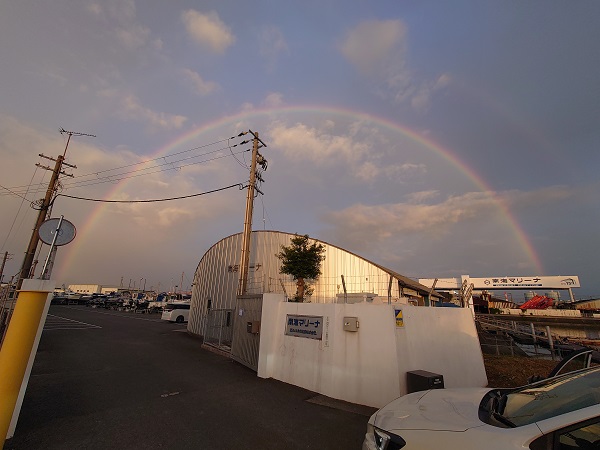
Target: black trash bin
422,380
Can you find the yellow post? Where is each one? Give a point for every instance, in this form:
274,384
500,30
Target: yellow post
19,349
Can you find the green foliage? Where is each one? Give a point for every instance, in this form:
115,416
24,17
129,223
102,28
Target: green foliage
302,260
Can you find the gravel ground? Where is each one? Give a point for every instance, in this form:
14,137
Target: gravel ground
512,371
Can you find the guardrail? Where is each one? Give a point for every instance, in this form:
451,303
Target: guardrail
542,342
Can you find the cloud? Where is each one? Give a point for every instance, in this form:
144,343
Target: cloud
201,86
356,150
134,36
419,197
421,217
371,44
208,30
120,17
300,142
382,221
273,100
378,50
94,8
550,195
131,109
272,44
421,98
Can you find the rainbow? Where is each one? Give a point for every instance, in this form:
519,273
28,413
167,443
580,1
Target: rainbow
426,142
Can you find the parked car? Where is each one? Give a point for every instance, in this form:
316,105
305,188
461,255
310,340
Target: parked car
176,312
560,412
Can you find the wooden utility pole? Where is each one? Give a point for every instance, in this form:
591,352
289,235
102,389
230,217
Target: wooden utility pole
45,205
245,260
7,256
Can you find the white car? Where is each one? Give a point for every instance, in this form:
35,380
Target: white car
176,312
558,413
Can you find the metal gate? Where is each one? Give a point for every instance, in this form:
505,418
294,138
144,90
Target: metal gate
219,328
246,330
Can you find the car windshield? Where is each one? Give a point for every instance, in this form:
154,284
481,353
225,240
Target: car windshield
551,397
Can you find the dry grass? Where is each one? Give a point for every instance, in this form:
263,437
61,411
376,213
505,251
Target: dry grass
512,371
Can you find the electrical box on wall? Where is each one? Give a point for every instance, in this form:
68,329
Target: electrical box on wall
351,324
253,327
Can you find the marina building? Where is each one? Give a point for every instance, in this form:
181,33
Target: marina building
345,276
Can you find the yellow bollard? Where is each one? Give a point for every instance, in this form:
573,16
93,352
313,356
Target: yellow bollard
19,349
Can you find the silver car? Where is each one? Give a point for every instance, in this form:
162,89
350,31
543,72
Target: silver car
561,412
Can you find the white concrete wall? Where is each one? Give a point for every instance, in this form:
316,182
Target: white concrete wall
369,367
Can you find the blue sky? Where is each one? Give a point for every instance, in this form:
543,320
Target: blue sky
344,94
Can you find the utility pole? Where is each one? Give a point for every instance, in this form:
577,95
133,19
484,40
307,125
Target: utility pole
257,158
45,204
7,256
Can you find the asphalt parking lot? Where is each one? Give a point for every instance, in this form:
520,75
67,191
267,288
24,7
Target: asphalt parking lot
108,379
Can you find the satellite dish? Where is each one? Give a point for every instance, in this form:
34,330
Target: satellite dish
48,230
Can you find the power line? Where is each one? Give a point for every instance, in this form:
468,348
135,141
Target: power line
244,165
148,170
161,157
19,210
265,213
239,185
142,171
14,193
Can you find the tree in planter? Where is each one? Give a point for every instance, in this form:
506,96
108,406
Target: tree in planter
302,261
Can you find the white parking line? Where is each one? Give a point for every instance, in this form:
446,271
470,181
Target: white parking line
125,315
62,323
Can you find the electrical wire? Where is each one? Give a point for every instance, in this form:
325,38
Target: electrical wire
239,185
134,174
265,213
244,165
79,180
19,210
143,172
14,193
147,161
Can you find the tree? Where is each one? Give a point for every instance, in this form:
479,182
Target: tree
302,261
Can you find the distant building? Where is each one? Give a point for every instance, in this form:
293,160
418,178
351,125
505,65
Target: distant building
86,289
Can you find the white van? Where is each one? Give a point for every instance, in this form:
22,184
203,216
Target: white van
176,312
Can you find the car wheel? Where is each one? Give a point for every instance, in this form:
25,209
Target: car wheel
179,319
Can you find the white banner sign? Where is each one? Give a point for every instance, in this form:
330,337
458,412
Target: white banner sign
526,282
504,282
304,326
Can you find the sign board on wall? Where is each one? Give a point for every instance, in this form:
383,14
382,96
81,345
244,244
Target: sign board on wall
504,282
399,318
552,282
304,326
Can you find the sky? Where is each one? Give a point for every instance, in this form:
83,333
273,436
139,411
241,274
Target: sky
437,139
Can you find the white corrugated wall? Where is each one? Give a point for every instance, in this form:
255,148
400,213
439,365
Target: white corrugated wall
217,275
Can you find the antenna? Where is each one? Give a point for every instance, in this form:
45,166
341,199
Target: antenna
74,133
61,130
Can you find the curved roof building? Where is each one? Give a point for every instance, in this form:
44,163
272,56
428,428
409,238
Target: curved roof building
217,277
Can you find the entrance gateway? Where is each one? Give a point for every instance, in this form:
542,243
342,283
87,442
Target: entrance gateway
246,330
506,283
